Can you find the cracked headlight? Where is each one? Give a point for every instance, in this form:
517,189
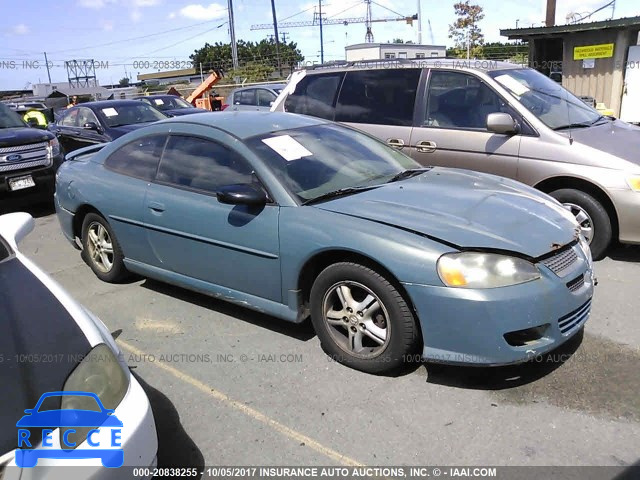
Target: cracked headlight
484,270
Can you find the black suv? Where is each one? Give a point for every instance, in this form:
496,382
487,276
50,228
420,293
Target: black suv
29,159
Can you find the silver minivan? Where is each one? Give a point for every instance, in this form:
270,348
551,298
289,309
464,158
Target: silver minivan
257,97
494,117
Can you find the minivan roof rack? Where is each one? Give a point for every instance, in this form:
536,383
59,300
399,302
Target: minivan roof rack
418,62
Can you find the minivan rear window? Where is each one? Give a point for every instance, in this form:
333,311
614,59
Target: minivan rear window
315,95
384,97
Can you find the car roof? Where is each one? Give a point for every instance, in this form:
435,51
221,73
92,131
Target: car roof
444,63
263,85
108,103
248,124
158,95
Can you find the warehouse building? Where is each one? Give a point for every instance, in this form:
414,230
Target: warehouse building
389,51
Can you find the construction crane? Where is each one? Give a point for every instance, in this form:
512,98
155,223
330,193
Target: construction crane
340,21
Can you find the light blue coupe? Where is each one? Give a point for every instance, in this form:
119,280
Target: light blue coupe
300,217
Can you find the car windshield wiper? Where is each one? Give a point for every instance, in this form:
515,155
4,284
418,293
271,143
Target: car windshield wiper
600,119
412,172
338,193
573,125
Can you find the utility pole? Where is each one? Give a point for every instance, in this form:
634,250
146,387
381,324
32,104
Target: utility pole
284,37
232,33
468,42
275,30
419,24
46,62
321,39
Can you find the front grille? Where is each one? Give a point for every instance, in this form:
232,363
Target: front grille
22,148
574,319
33,155
576,284
561,261
22,165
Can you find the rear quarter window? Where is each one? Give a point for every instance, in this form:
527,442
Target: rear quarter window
139,158
315,95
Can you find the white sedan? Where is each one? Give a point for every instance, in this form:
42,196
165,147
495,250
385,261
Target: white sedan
51,347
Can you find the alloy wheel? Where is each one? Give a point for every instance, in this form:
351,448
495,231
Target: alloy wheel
356,318
100,247
583,219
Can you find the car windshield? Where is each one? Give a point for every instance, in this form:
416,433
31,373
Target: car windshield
9,118
4,250
555,106
313,161
169,103
118,115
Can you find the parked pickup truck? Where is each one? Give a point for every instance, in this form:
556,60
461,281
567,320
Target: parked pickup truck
29,159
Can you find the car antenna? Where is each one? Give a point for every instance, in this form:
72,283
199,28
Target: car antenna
566,94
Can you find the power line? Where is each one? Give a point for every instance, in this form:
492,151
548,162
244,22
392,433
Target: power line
164,32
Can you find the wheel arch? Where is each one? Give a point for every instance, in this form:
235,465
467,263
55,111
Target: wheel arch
321,260
556,183
79,217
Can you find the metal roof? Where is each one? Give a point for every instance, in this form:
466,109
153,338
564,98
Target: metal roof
515,33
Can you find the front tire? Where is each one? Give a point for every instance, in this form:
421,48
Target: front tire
361,319
592,217
101,249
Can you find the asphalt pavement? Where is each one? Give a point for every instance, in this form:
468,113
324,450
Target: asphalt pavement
231,386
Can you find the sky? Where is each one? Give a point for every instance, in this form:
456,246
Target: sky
128,37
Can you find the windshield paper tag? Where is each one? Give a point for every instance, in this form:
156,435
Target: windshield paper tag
512,84
287,147
110,112
159,101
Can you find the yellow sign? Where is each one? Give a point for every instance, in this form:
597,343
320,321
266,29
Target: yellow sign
604,50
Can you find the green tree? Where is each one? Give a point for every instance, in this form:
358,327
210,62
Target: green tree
465,29
250,54
124,82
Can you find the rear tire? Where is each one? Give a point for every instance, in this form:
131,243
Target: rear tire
361,319
101,250
591,215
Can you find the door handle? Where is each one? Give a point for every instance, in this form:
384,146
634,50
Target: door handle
156,206
426,146
395,142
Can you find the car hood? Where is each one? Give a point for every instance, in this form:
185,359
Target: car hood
117,132
615,138
10,137
466,210
41,344
178,112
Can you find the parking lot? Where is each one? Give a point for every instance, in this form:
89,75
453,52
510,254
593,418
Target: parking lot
230,386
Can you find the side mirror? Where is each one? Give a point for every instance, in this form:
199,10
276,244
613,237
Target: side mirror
91,126
15,226
241,194
33,123
502,123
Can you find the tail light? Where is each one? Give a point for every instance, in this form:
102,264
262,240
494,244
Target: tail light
224,105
